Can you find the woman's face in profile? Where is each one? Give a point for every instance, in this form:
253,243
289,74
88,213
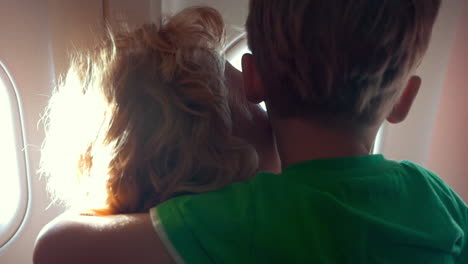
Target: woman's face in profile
257,132
256,129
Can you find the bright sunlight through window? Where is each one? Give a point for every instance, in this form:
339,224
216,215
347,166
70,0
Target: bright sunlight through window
236,61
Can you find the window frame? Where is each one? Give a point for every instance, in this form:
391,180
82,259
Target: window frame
236,45
15,222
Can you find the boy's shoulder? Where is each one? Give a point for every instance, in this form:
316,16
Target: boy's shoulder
434,179
444,192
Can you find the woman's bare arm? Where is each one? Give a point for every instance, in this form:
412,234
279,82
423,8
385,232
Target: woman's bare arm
90,239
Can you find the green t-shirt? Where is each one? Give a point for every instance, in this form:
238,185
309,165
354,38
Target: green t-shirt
351,210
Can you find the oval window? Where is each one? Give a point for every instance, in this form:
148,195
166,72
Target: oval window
234,52
13,185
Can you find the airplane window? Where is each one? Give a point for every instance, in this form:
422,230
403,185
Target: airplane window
379,141
12,179
236,59
234,55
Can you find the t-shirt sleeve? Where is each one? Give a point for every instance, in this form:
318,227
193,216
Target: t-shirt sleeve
457,208
463,257
176,235
213,227
464,254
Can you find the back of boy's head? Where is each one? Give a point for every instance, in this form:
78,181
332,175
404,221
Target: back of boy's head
338,58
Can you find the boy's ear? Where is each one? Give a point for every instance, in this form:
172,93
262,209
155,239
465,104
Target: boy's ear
401,109
253,86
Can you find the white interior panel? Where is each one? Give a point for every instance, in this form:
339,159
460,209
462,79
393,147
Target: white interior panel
234,12
74,26
123,14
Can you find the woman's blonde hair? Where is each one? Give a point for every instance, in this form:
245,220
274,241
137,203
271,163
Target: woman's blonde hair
144,118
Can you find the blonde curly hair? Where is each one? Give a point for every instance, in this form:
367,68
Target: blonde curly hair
144,118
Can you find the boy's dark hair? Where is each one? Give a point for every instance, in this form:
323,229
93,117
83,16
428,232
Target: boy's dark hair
338,58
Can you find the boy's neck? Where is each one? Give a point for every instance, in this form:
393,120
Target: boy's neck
298,140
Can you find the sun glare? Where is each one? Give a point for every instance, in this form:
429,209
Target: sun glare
236,60
74,120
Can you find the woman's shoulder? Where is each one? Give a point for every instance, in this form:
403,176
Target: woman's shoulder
96,239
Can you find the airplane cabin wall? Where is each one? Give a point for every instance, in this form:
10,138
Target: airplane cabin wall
123,14
234,12
411,139
25,51
448,155
74,26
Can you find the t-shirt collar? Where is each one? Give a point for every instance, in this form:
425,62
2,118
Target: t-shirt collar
335,164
